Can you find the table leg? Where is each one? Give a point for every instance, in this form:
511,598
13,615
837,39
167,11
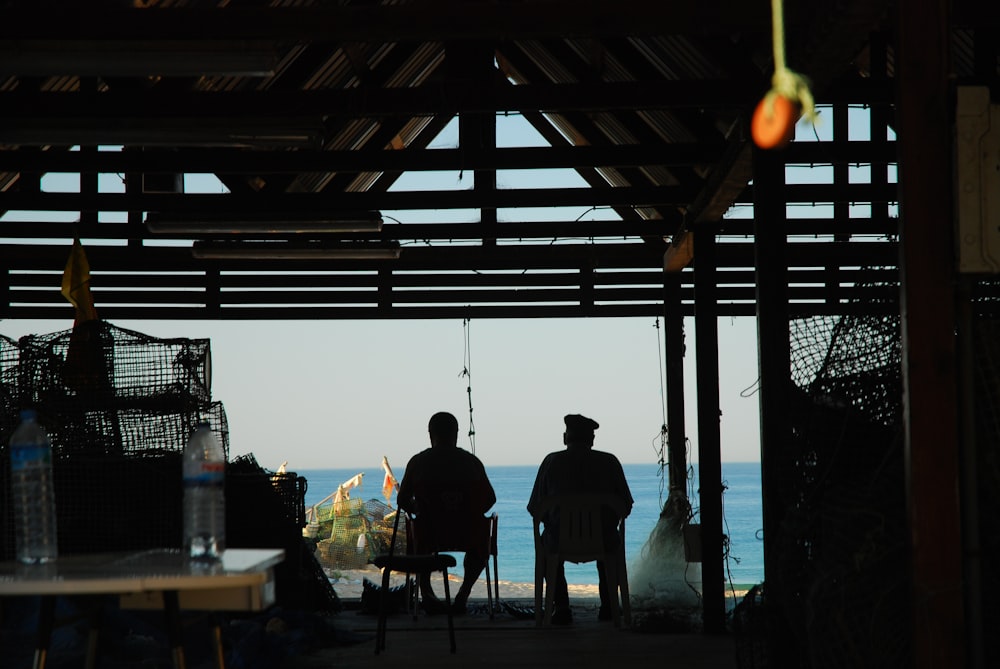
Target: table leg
220,657
46,616
172,609
93,635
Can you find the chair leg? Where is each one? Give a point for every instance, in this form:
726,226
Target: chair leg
612,586
451,620
417,598
410,596
623,587
496,585
539,588
383,608
551,576
489,589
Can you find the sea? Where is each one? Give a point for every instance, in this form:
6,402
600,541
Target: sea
742,515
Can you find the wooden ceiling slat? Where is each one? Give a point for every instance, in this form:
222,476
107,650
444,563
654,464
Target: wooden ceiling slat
374,312
236,161
144,108
412,200
849,280
193,160
339,201
476,20
808,254
652,295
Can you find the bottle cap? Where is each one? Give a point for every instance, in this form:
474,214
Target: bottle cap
28,414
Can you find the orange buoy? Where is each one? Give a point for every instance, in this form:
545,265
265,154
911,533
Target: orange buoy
775,129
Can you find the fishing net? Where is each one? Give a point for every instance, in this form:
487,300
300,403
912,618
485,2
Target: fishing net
351,532
266,509
97,365
984,486
665,577
841,597
9,355
119,407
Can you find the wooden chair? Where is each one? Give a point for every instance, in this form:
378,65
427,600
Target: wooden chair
581,539
445,537
410,563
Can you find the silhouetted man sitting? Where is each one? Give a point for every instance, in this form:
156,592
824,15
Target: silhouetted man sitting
579,469
447,489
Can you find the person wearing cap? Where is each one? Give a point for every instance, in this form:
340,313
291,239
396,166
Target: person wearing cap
577,469
448,491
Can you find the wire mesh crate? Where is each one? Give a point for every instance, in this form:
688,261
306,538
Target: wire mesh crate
97,361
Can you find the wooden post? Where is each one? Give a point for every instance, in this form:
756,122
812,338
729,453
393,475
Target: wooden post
673,335
774,362
932,453
706,329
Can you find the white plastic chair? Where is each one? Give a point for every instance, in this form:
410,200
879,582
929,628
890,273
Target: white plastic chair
581,539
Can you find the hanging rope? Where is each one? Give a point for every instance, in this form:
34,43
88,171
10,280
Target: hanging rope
661,448
467,373
774,119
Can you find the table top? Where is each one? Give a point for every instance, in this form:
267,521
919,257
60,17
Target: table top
137,571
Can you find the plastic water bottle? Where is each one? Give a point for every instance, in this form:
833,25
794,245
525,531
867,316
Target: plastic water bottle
204,496
33,491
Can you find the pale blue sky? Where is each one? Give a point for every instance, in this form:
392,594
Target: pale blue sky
345,393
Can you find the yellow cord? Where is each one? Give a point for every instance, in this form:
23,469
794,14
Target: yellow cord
784,81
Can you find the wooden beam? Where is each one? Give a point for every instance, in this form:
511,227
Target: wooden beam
341,201
145,107
476,20
238,161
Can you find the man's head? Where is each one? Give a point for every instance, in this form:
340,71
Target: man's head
443,428
579,431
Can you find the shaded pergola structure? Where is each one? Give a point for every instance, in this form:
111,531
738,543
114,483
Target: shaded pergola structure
309,112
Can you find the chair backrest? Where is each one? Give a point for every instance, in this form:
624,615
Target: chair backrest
445,524
590,525
408,521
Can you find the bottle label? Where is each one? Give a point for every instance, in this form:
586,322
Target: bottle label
209,473
24,457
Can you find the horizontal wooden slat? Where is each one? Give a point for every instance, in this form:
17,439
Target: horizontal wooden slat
354,201
237,161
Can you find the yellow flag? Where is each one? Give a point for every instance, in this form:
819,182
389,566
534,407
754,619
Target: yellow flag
76,284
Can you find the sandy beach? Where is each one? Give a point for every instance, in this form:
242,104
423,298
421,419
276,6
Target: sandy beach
348,585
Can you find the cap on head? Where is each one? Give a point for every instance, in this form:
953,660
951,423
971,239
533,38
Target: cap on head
577,424
443,424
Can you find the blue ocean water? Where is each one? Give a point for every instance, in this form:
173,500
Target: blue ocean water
741,508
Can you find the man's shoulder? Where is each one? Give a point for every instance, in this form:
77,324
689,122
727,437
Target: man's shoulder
605,455
422,454
465,457
554,457
418,457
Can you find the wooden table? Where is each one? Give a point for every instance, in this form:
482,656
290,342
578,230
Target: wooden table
161,578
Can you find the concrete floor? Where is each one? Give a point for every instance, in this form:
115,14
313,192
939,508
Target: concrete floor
514,642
